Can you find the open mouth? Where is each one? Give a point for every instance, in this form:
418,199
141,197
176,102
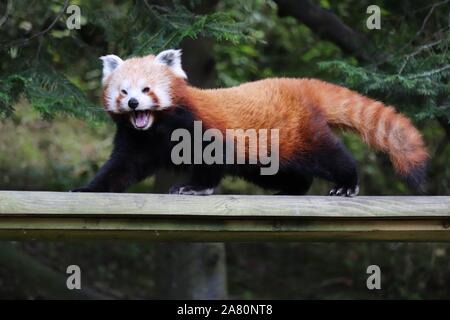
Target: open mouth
141,119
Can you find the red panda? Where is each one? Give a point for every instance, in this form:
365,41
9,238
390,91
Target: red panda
150,95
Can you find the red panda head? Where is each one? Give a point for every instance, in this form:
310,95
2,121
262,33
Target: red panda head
141,86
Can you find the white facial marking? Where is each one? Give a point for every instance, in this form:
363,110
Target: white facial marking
109,100
162,92
148,80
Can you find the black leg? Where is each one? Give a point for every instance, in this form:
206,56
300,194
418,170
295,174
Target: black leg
117,174
204,179
298,185
336,164
290,180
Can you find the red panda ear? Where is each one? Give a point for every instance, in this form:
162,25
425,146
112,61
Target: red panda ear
110,63
172,59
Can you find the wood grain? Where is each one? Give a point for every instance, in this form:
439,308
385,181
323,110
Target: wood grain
154,217
113,204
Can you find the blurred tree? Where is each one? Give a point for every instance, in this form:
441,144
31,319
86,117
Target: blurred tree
326,24
40,61
36,47
38,279
191,271
57,71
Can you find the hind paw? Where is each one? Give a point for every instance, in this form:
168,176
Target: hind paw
190,190
341,191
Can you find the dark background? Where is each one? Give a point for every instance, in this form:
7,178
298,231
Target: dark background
54,134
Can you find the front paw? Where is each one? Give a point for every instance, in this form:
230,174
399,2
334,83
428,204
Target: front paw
344,191
83,189
190,190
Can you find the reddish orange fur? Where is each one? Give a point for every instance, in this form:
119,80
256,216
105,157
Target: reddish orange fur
301,110
105,97
119,99
154,97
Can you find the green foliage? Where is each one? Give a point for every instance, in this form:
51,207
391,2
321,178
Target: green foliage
410,65
417,83
278,47
37,48
49,92
10,89
152,28
59,73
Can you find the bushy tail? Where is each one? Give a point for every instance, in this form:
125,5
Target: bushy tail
380,127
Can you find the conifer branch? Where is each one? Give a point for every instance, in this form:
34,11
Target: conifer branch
25,41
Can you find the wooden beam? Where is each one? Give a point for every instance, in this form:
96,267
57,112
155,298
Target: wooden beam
61,216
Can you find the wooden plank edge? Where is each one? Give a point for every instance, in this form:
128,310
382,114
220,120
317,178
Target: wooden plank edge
212,230
19,203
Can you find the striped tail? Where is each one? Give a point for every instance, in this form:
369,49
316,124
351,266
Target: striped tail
381,127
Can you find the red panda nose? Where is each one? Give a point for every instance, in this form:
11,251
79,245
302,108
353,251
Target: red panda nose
133,103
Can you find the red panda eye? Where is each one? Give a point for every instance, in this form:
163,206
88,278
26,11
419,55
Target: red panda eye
124,92
146,90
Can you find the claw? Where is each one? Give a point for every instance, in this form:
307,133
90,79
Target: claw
189,190
344,191
175,190
355,191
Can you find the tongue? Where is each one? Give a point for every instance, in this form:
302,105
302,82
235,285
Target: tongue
141,119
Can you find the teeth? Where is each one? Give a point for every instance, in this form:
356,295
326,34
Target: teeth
140,117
